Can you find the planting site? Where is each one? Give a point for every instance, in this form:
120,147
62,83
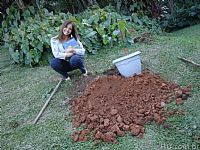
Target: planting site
112,106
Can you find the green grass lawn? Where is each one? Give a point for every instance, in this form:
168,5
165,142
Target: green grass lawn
24,91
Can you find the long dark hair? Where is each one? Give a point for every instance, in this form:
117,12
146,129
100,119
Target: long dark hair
74,33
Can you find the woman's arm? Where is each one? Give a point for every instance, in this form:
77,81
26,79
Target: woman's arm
56,51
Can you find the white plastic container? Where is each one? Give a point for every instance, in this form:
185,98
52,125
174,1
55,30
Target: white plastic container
129,65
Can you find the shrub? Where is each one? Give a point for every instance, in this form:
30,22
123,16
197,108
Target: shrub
27,34
101,27
185,13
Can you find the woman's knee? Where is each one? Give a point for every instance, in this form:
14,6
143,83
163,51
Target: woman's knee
76,61
54,63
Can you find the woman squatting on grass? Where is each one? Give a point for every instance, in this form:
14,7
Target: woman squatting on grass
68,51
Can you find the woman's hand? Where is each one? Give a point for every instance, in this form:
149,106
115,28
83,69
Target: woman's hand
68,54
71,50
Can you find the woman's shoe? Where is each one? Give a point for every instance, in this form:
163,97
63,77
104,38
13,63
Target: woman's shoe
66,79
85,74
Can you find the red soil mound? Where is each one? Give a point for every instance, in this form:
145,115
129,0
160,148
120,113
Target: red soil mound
112,105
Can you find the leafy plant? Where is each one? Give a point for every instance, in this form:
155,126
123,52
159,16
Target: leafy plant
101,27
182,14
26,39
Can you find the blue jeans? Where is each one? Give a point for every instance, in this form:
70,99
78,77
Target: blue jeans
63,66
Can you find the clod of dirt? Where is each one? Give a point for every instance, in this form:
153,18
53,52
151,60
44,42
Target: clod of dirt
113,71
179,101
135,129
112,105
179,94
167,125
144,38
182,94
14,124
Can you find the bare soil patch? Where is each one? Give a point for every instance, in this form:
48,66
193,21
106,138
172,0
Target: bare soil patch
112,106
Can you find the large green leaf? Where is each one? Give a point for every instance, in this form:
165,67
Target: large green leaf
91,34
6,37
122,25
25,46
100,30
86,22
105,40
40,46
21,56
107,23
14,54
28,58
116,32
8,11
36,55
26,13
32,9
17,15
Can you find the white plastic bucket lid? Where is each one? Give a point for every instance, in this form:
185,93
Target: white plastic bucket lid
126,57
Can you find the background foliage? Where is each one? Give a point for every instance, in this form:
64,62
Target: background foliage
103,24
28,41
182,13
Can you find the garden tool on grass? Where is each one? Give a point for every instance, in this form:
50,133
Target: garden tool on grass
47,102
